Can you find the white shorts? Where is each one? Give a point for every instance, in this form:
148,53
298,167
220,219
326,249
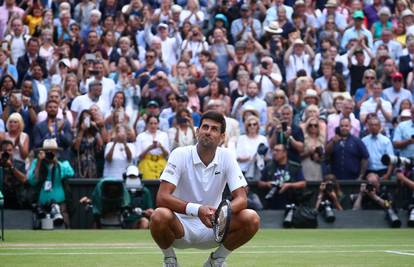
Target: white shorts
196,234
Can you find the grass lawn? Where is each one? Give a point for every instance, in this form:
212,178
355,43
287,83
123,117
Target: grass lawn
111,248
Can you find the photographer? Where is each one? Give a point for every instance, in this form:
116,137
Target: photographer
371,196
405,181
269,77
329,197
404,136
14,179
48,173
282,178
183,132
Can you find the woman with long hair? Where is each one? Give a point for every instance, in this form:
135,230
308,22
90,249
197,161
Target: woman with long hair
365,92
314,148
7,85
336,86
217,90
20,139
87,144
183,132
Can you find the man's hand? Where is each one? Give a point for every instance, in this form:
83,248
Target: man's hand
41,156
284,188
206,215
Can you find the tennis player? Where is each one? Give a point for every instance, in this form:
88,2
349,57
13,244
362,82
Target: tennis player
191,189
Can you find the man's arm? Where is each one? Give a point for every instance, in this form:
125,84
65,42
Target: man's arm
239,201
404,180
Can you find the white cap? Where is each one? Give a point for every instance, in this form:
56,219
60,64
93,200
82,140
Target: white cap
132,170
405,113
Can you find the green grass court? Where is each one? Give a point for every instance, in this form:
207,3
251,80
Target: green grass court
270,247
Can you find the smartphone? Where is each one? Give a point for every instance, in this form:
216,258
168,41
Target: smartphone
337,130
284,126
5,46
87,121
90,57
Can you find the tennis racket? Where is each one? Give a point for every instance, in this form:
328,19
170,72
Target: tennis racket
221,222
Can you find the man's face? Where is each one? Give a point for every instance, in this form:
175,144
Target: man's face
33,48
211,71
27,88
209,134
376,90
358,22
218,35
386,36
346,108
153,110
389,66
92,38
279,153
252,90
150,58
37,72
54,96
7,148
374,126
345,127
96,91
397,83
52,110
287,115
100,70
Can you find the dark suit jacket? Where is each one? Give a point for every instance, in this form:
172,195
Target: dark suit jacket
23,66
404,65
64,138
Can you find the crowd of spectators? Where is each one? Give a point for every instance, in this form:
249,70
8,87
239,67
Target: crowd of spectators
118,82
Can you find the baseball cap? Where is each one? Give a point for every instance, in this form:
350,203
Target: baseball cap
358,14
397,75
162,25
182,98
132,170
244,7
153,103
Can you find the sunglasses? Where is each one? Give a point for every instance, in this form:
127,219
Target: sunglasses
251,124
369,77
397,80
149,56
313,125
279,97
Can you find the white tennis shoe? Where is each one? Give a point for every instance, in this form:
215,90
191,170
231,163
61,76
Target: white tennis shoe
170,262
212,262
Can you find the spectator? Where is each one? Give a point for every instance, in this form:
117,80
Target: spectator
345,112
94,96
7,86
117,113
119,153
358,66
25,61
349,156
313,151
48,173
394,47
194,43
17,40
8,8
279,100
40,85
153,109
5,67
246,24
289,174
182,133
246,148
379,106
289,135
331,10
87,144
162,87
403,137
54,128
217,91
364,93
192,13
152,149
269,77
336,86
298,57
222,52
374,198
20,139
378,145
149,70
396,93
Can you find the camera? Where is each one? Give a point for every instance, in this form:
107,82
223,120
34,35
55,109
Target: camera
50,156
396,160
410,222
337,130
265,64
319,151
181,120
5,156
261,153
56,215
284,126
288,220
369,187
327,211
246,98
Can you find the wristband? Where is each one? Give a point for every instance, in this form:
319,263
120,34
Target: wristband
192,209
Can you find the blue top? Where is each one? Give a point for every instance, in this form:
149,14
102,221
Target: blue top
379,145
346,158
404,131
55,193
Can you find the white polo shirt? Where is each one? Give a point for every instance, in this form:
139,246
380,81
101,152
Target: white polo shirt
202,184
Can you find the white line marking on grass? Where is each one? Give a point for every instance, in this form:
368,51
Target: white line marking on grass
399,253
151,246
268,252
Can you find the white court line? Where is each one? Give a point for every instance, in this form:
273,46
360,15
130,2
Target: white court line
399,253
267,252
149,246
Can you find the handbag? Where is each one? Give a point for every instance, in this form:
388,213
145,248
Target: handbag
305,217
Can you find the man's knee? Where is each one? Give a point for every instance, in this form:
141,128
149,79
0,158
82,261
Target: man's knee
249,220
161,217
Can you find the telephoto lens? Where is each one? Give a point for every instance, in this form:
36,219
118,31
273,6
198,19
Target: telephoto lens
392,218
328,212
410,222
288,221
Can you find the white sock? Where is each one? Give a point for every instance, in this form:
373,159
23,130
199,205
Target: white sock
221,252
169,252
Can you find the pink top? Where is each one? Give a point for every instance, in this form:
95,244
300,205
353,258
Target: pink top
333,122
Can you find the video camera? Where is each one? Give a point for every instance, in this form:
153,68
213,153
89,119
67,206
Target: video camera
397,160
391,215
5,156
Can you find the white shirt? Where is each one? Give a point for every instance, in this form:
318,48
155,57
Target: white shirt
297,63
248,147
198,183
370,106
108,91
119,163
267,86
82,102
145,139
41,88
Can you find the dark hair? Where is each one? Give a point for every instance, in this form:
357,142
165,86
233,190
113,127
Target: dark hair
151,116
81,117
214,116
33,39
6,142
7,76
113,99
220,85
341,82
51,101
